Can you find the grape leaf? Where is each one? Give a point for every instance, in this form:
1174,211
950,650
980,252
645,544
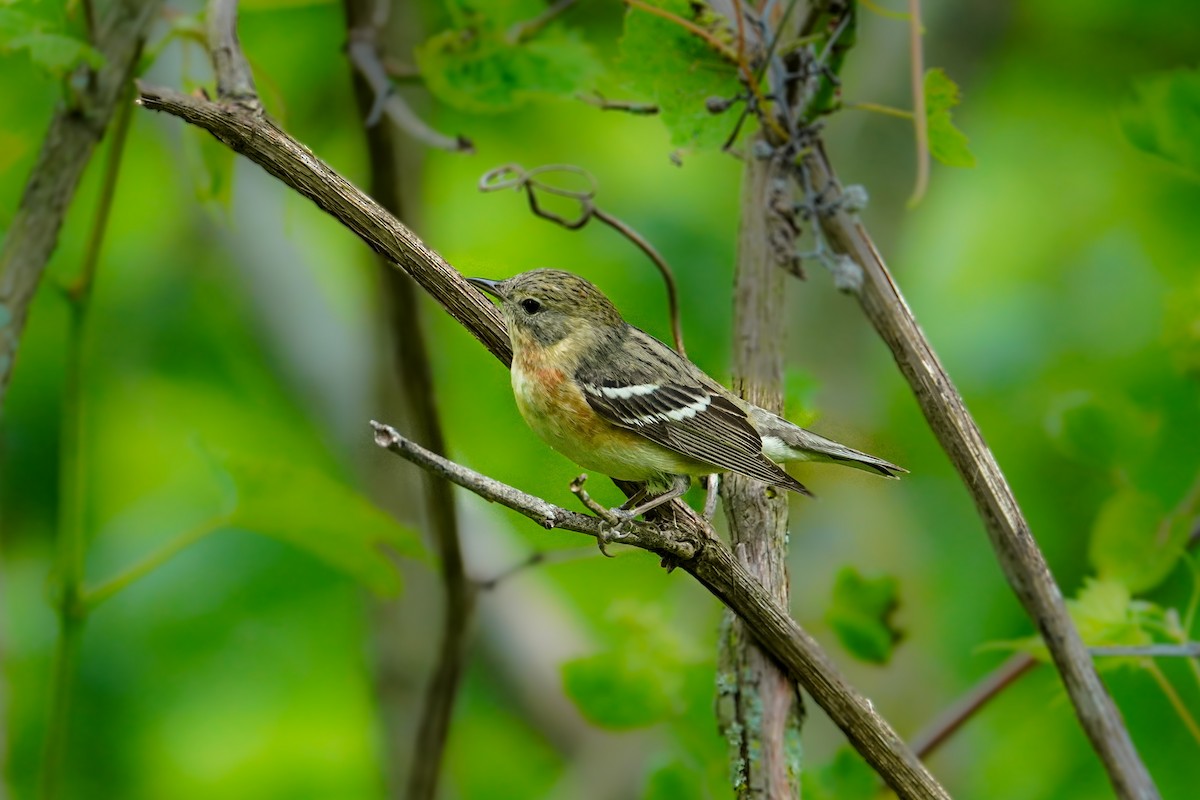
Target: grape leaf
1099,432
861,612
476,68
947,143
1163,119
664,61
300,505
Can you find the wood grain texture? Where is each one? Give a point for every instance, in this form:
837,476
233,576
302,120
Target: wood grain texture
1022,562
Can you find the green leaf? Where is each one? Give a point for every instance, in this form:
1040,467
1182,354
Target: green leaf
305,507
639,682
477,69
1104,613
947,143
51,51
673,781
679,71
1100,432
847,777
861,612
1163,119
1135,541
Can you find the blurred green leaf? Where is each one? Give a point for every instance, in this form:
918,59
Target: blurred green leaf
675,68
947,143
860,614
673,781
1135,541
1099,431
847,777
1104,613
477,68
303,506
800,393
51,51
1163,119
639,682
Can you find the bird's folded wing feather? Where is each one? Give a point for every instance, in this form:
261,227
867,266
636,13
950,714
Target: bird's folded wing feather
691,419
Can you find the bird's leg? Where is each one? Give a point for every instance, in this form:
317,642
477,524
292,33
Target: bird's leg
635,498
679,485
711,484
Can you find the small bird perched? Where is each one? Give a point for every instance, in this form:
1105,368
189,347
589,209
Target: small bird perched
614,399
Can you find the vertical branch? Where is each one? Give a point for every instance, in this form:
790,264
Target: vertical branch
74,133
365,19
758,704
72,542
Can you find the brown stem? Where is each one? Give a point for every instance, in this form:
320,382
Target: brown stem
415,387
235,82
74,133
953,718
1016,550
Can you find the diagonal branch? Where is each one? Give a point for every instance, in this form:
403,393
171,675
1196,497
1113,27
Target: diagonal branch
1022,562
686,540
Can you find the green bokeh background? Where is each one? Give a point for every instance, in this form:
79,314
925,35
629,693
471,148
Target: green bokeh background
1063,267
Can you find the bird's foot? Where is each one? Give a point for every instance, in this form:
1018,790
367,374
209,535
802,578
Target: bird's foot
617,525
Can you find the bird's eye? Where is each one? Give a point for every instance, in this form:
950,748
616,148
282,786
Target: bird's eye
531,306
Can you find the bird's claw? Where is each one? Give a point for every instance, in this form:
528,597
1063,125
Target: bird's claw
618,526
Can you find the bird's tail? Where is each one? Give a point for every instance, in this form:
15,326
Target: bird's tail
783,441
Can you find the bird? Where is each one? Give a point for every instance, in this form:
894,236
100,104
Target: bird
614,399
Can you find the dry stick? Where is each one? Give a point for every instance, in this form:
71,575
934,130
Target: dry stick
686,541
264,143
1022,562
416,386
74,132
953,718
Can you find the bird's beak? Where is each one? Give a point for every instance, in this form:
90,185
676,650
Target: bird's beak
488,286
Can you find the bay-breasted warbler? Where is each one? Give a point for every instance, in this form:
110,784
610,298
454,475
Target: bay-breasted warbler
614,399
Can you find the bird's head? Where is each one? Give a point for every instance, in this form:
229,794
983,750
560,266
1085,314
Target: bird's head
549,306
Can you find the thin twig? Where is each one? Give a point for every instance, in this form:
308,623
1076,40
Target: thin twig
687,543
628,106
971,703
235,81
1184,650
264,143
514,176
536,559
1180,707
920,121
363,49
92,598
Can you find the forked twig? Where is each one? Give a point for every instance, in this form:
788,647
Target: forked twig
514,176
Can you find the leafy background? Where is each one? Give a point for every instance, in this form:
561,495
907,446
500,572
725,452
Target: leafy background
234,355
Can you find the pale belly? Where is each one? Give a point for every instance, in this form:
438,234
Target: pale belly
558,413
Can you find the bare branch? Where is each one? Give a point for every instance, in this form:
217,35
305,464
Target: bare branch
235,82
920,122
1016,550
363,49
967,706
628,106
260,140
74,132
535,559
684,540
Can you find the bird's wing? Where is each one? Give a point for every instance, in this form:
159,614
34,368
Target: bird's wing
663,397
